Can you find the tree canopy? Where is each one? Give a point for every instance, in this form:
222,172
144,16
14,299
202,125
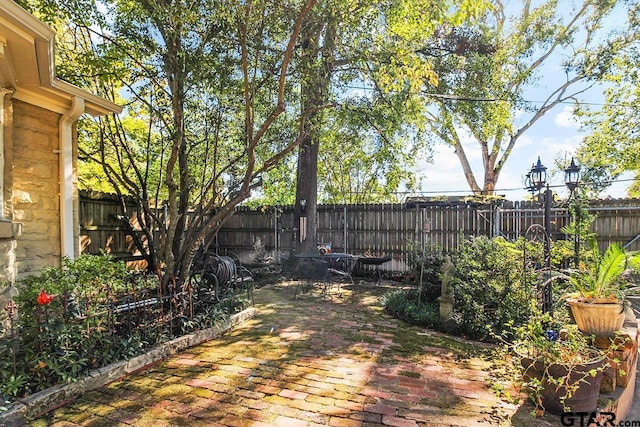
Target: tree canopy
612,145
331,99
218,94
367,137
206,91
486,71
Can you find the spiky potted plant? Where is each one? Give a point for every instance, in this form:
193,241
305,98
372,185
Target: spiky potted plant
597,304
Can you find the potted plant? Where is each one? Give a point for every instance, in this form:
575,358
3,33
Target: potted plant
559,368
597,305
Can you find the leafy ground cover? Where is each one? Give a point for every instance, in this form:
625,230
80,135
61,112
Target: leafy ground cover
92,312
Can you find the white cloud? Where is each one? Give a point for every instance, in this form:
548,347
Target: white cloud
566,118
524,141
445,158
444,173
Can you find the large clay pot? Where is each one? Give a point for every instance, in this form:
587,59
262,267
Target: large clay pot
585,396
601,319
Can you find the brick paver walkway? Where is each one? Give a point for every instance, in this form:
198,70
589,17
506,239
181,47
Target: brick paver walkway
305,362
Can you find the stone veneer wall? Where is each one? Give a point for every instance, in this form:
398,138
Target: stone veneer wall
35,180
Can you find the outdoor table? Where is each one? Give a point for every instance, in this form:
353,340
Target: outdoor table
340,263
320,266
327,257
377,261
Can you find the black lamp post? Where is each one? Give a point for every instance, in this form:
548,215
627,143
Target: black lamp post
528,185
572,176
535,180
538,175
572,180
538,179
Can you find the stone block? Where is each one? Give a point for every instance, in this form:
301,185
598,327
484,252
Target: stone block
623,347
620,400
619,341
9,230
20,196
14,416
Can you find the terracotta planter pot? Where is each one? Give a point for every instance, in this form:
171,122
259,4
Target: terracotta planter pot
553,398
601,319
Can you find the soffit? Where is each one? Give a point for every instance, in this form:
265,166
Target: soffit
27,65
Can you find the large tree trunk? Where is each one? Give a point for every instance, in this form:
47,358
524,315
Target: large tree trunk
176,191
306,191
209,225
317,66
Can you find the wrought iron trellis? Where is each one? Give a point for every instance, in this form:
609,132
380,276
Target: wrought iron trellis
537,233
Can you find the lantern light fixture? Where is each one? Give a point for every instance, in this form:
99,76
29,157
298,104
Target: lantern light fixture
572,176
538,175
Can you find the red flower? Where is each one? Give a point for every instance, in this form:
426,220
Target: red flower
44,298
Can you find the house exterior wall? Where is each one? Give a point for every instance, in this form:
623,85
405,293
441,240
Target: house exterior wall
35,180
38,112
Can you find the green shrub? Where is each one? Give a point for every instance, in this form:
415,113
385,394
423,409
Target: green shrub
67,324
425,261
490,288
493,286
404,305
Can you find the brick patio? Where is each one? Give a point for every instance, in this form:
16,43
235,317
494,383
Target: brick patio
308,362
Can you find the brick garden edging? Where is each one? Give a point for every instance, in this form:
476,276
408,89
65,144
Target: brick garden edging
46,400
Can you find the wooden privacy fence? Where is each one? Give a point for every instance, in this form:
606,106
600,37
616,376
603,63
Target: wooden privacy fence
100,228
384,229
377,229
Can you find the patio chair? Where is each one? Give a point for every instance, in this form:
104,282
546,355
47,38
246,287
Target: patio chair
310,271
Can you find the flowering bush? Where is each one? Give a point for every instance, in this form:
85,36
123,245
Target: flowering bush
91,312
44,298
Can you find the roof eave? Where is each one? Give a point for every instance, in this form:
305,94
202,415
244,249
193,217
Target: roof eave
57,93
